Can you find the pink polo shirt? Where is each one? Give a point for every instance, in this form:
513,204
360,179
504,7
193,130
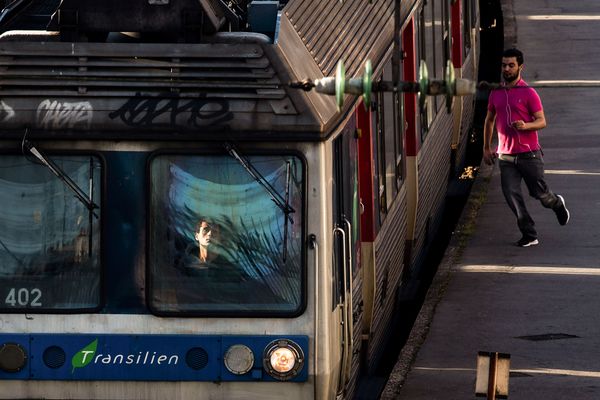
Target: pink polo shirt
512,105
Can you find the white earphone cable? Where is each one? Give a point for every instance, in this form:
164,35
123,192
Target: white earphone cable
509,121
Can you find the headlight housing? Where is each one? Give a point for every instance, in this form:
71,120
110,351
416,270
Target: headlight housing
13,357
239,359
283,359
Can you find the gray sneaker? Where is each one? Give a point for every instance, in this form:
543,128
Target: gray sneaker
562,214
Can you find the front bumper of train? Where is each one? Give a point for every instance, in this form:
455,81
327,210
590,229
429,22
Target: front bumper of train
133,357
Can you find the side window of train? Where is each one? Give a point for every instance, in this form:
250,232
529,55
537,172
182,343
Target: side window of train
427,53
225,234
345,211
441,34
466,25
441,38
434,48
469,18
446,34
390,127
50,238
418,35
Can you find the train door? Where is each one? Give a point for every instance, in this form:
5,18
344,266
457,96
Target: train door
347,248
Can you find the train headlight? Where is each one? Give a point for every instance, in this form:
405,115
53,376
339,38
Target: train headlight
283,359
239,359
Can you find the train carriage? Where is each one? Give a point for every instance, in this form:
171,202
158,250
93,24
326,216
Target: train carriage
178,221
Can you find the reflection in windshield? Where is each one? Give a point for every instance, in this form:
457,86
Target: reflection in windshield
218,238
47,241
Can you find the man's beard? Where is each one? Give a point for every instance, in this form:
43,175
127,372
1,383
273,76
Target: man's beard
510,78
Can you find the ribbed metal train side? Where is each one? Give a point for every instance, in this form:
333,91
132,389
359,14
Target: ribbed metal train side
389,264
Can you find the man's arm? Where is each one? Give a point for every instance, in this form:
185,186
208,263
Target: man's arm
488,130
538,123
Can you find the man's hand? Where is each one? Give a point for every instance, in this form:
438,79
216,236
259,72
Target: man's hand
519,125
489,157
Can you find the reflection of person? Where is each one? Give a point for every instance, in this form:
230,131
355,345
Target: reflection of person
517,112
204,260
203,235
203,252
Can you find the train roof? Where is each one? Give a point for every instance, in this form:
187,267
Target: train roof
56,84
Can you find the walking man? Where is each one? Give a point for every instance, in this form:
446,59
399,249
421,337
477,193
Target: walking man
517,112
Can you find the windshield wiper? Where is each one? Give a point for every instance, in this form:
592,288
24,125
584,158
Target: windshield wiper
56,170
287,203
279,201
282,203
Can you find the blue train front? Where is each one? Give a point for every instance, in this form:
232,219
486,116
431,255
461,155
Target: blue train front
153,358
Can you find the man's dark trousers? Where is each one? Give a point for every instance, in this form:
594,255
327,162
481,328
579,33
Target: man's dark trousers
529,167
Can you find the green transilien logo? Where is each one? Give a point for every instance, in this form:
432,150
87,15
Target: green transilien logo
84,356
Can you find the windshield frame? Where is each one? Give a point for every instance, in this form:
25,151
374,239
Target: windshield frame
218,150
61,152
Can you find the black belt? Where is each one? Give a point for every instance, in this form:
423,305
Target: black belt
513,158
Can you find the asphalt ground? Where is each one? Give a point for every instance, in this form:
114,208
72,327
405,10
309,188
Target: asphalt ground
540,304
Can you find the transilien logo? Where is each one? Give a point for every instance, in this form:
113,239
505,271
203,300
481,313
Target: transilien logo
84,356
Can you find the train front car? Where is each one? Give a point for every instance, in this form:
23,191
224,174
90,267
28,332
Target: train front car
178,222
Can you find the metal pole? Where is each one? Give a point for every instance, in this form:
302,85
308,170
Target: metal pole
491,393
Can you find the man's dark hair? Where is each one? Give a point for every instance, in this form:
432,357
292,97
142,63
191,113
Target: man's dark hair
514,53
209,226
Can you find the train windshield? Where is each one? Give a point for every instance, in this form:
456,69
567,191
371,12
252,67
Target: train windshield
226,234
50,239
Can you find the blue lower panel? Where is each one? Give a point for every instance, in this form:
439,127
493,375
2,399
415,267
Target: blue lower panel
138,357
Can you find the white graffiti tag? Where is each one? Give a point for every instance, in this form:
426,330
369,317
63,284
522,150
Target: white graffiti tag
6,112
63,115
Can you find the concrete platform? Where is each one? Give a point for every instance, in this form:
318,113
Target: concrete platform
539,304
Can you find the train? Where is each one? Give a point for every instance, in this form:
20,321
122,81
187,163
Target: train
179,222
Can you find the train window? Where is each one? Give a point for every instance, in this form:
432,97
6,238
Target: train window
226,234
50,239
446,35
389,143
469,23
434,48
474,13
466,25
380,130
440,34
399,148
390,139
427,52
418,40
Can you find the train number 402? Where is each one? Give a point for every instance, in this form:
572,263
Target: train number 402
24,297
